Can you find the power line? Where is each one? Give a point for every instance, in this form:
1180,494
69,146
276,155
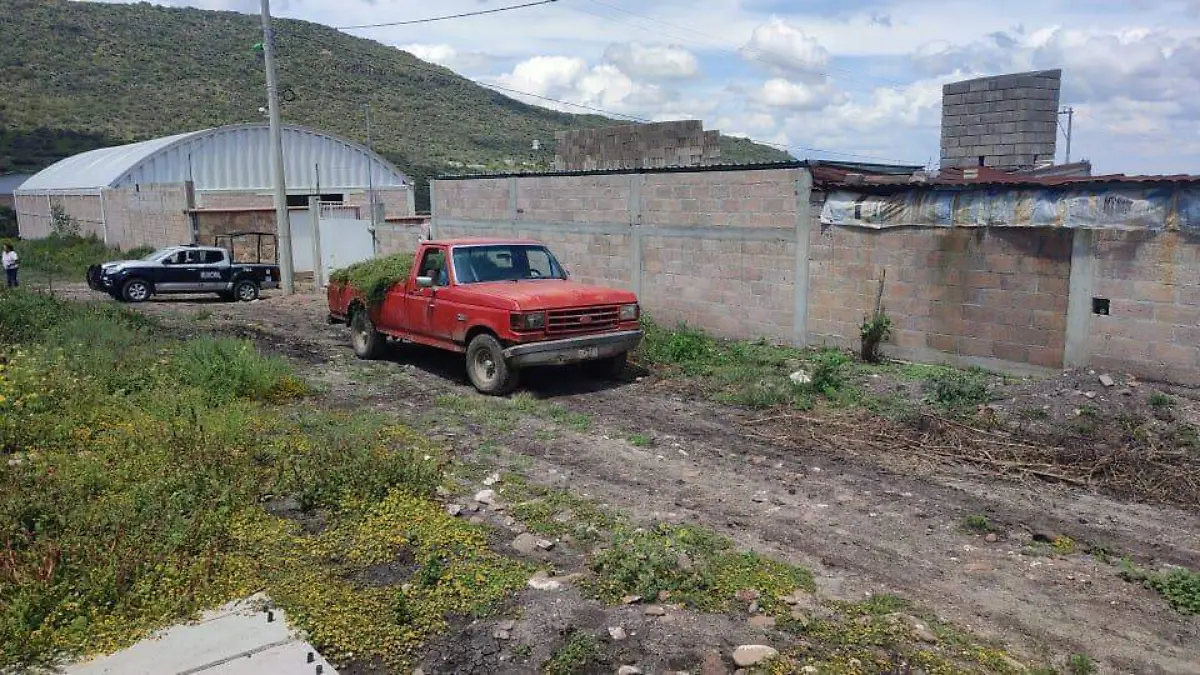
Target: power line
447,17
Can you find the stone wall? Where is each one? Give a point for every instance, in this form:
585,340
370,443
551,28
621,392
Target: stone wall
1011,121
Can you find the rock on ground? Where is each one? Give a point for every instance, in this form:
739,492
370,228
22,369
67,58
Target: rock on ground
749,655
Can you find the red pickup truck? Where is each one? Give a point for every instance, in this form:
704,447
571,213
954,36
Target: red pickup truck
505,303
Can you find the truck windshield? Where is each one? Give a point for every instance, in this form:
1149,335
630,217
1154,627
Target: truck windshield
157,254
504,262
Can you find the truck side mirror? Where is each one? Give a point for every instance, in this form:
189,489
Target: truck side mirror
424,282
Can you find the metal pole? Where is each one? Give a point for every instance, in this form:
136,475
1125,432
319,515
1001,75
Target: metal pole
1070,129
371,179
283,227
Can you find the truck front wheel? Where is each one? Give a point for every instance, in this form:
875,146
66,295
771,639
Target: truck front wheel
489,371
136,290
368,342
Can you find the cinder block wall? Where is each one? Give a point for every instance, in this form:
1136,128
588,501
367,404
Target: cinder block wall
980,294
716,251
147,215
400,237
1011,121
1152,283
719,250
34,219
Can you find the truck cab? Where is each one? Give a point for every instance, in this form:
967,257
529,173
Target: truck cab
506,304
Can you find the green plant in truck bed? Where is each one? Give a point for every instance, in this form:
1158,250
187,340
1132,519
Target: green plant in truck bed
375,277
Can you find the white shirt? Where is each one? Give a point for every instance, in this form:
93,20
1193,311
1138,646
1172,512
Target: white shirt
10,260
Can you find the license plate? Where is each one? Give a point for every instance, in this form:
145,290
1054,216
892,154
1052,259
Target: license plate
588,353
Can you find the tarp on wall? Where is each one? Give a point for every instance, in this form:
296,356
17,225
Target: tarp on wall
1123,208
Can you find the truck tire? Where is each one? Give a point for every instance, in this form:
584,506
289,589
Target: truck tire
245,290
610,368
136,290
486,367
368,343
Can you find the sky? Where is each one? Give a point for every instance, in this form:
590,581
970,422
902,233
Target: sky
825,79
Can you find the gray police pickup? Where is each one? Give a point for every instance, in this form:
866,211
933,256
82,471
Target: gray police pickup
183,269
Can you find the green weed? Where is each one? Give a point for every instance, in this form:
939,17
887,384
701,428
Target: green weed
959,390
977,523
580,653
1081,664
1160,401
692,565
138,494
1179,586
641,440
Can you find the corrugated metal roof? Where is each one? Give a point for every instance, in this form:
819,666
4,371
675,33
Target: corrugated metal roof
225,158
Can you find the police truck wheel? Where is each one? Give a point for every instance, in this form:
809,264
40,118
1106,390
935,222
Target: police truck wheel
368,343
136,290
486,367
245,290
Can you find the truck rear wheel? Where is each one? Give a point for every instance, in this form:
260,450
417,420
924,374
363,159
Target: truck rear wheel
245,290
487,368
368,343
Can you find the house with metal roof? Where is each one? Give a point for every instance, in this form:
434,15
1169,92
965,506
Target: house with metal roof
184,188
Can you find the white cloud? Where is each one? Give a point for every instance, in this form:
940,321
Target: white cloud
781,93
448,56
652,61
571,79
785,48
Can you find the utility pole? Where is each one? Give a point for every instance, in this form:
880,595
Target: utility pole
1070,113
370,173
283,226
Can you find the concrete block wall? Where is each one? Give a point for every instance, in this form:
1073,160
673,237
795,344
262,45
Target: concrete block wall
634,146
727,261
984,295
147,215
730,252
1152,283
1011,121
34,214
400,237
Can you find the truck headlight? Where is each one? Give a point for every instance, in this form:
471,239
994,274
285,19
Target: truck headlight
529,321
629,312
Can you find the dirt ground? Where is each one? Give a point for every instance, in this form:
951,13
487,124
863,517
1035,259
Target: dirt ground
864,522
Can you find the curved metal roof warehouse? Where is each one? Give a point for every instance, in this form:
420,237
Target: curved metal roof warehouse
235,158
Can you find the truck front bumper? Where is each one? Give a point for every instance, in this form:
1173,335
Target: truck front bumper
573,350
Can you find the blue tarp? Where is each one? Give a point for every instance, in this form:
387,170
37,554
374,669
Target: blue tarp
1124,208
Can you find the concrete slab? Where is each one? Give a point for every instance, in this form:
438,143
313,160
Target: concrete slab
240,638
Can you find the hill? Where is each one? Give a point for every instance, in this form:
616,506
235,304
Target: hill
83,75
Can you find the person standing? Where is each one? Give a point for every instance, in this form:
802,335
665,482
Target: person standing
11,262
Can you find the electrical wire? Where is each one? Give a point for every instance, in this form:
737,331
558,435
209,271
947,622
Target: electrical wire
481,12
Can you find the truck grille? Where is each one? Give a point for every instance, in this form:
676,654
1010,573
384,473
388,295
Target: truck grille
582,320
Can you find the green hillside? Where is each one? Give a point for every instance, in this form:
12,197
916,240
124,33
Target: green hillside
81,75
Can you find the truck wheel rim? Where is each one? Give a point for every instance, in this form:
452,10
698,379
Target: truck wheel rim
485,366
246,292
360,334
137,291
